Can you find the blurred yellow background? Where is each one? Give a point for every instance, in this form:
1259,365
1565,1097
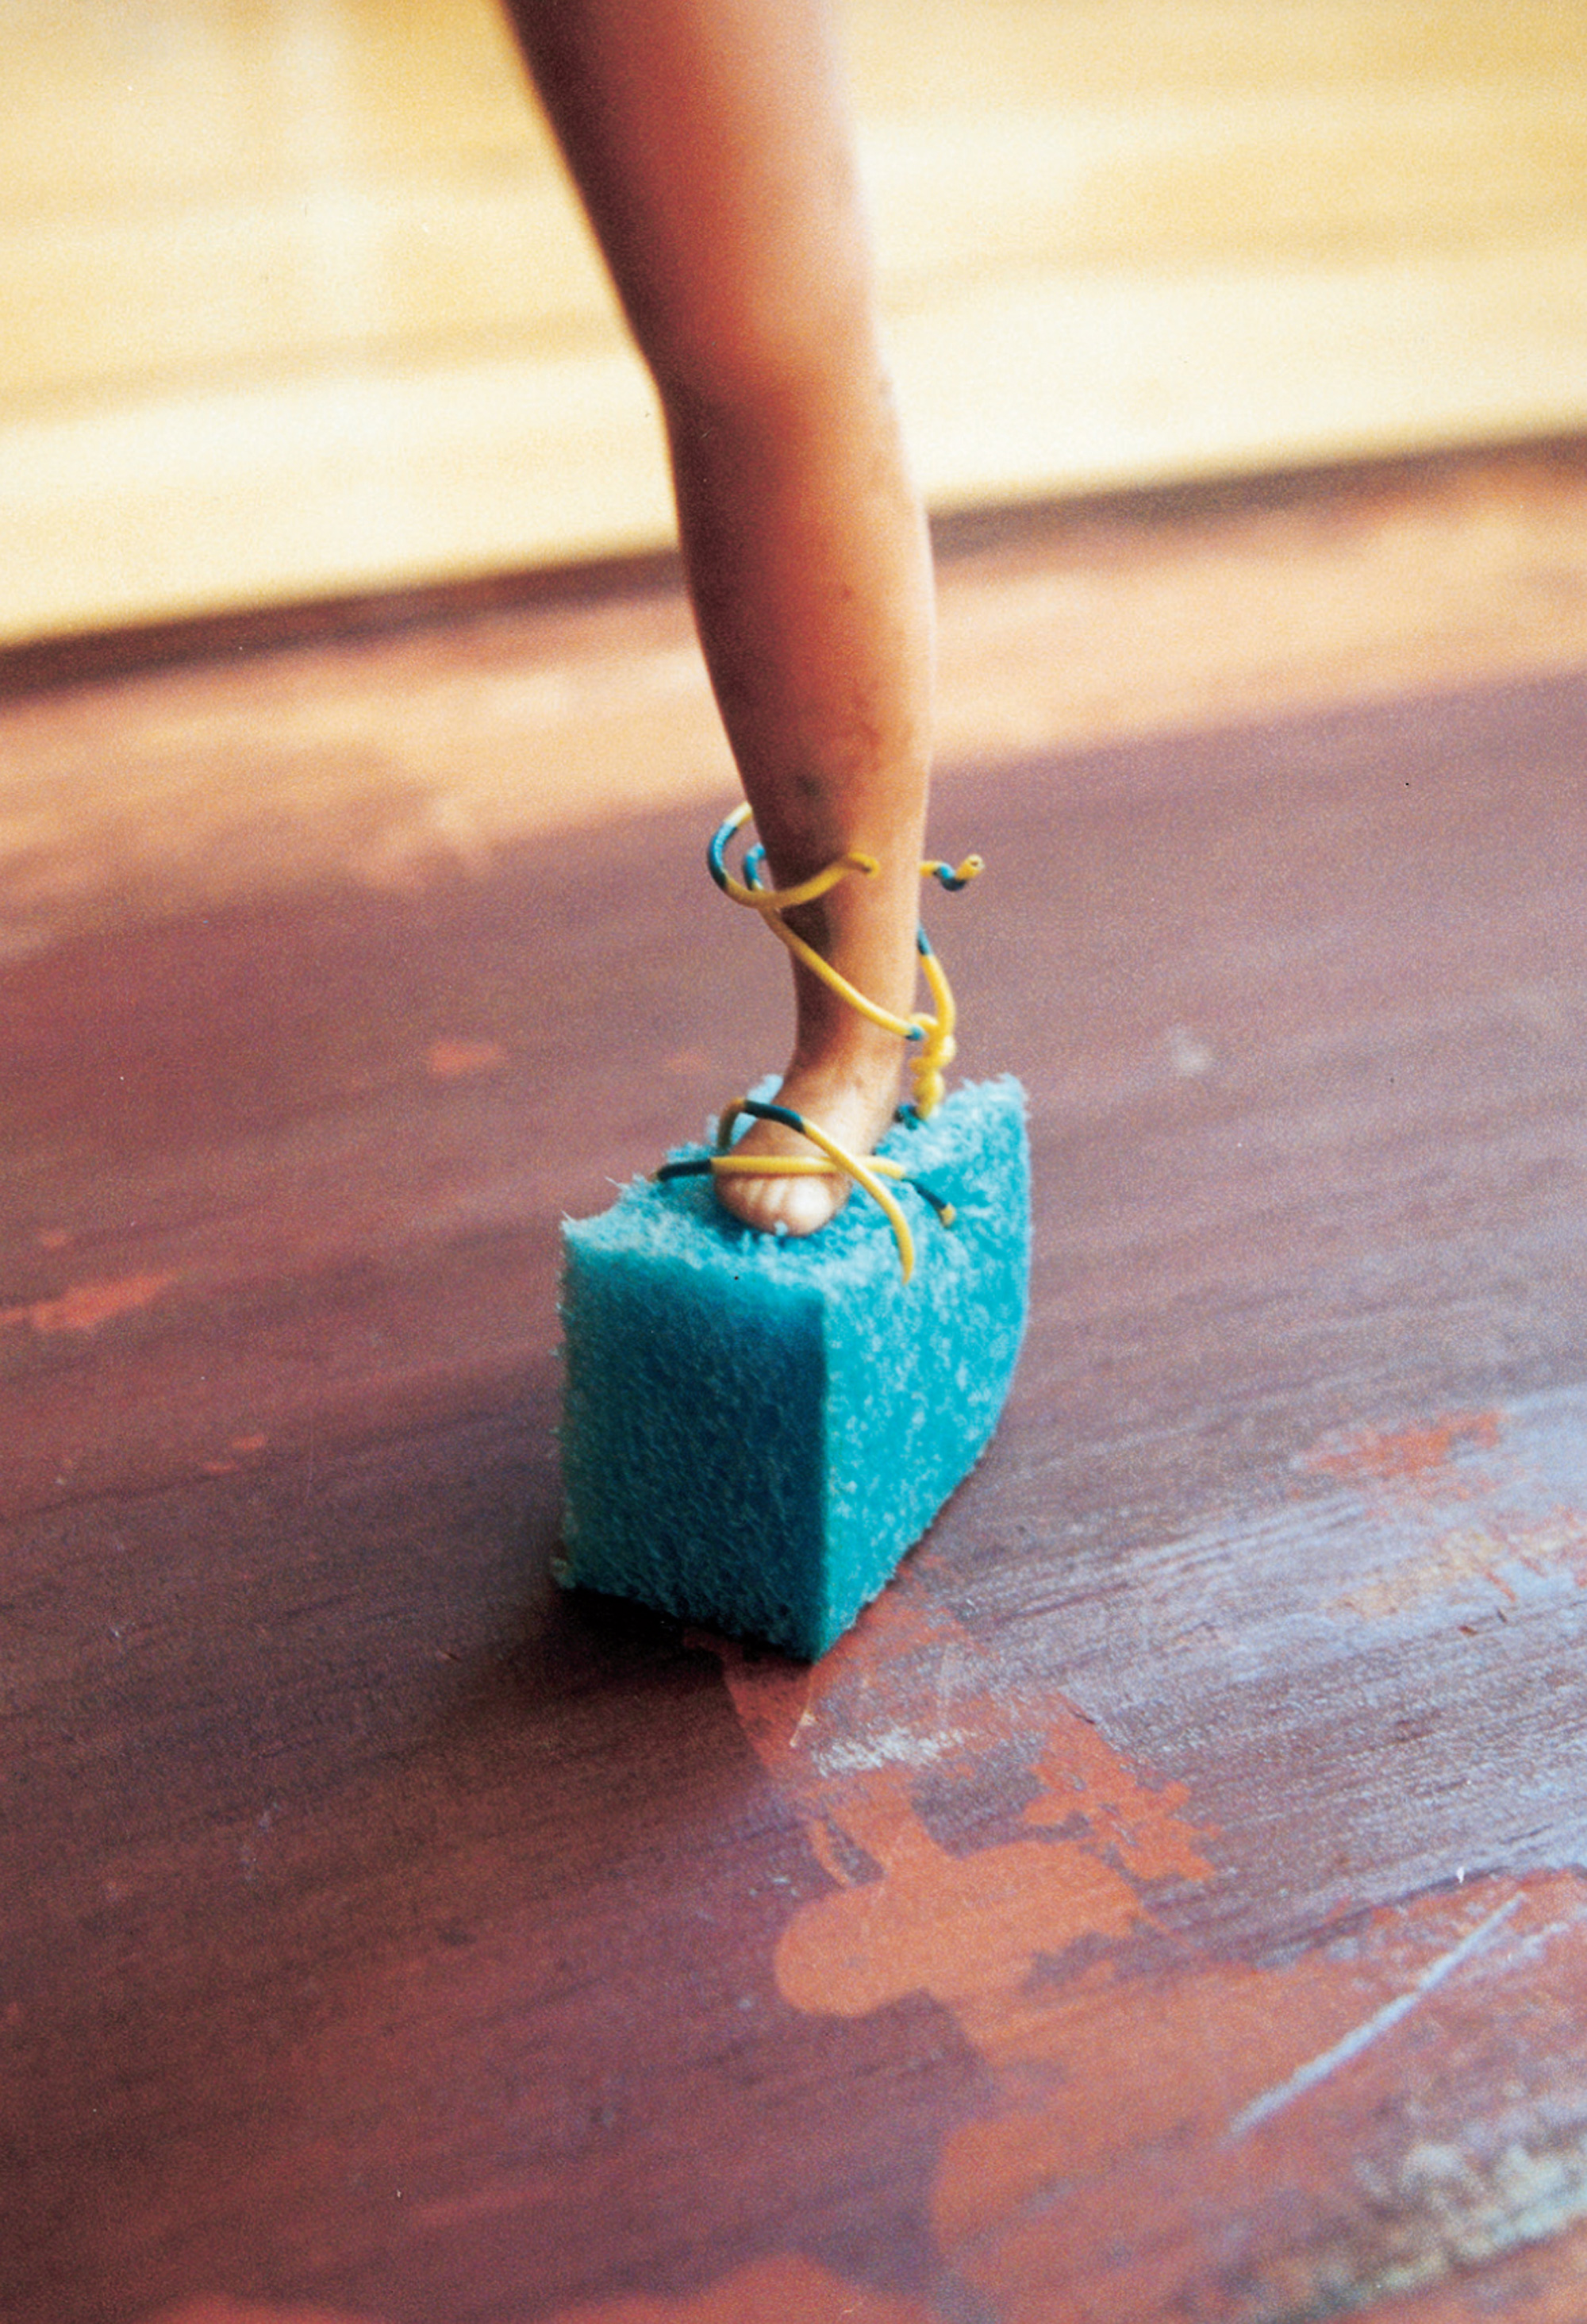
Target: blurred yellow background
294,299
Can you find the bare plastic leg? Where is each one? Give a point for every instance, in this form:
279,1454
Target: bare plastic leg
710,144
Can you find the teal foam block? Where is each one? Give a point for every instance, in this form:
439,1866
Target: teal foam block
757,1428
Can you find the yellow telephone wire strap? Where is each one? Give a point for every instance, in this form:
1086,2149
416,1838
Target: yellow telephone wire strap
932,1035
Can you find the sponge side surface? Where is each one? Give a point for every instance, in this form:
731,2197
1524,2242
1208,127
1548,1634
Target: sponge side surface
755,1430
692,1425
918,1373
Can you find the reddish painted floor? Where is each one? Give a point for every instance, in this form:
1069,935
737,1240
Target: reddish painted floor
1168,1905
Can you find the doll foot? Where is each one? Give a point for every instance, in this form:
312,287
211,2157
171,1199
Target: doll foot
853,1113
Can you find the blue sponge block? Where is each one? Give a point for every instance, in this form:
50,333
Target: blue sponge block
756,1428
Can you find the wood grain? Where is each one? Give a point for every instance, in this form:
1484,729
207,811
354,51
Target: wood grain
405,738
296,302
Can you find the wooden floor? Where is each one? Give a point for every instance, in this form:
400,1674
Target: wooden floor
293,300
1169,1904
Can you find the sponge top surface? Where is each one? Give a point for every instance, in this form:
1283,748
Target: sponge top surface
683,1219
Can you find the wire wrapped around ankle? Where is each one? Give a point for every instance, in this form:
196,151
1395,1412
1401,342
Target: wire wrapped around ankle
931,1036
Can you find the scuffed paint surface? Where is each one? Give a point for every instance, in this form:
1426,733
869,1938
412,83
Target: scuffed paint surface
87,1306
1309,2099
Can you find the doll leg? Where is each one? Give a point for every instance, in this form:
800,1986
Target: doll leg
711,145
